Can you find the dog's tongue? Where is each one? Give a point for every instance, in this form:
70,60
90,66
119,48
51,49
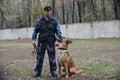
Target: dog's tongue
62,48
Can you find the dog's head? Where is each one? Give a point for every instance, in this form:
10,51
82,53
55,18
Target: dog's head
64,43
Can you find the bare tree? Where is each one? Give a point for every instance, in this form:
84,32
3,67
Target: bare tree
73,11
63,11
29,11
53,6
93,5
117,8
23,13
79,11
3,17
103,10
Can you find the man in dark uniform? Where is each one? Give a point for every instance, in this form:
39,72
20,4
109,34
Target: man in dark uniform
49,31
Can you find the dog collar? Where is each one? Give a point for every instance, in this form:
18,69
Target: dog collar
62,48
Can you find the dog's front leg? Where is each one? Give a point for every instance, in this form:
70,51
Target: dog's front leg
66,70
59,69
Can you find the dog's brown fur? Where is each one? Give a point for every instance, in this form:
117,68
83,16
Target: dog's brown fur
65,60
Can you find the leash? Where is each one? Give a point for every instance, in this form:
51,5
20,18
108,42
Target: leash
35,51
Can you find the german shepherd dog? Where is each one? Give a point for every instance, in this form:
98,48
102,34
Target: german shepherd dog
64,59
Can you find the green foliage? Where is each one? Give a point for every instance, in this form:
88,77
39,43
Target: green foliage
20,21
37,11
89,17
7,6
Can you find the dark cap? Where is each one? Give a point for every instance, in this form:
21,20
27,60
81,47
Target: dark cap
47,8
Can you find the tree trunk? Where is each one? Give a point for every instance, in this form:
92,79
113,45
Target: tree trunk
79,11
3,21
73,11
2,17
93,8
53,6
29,12
103,11
63,11
117,9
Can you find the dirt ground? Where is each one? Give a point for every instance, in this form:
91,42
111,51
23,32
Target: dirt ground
99,59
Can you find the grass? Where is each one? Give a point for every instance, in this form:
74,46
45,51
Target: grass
89,43
5,44
100,67
76,43
19,42
21,67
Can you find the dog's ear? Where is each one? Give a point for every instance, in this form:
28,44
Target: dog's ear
69,42
60,39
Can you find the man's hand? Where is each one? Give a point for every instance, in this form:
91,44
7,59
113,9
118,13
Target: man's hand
56,43
33,43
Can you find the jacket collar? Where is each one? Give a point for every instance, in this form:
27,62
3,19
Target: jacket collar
51,17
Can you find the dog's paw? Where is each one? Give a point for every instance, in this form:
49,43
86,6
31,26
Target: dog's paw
66,76
80,71
58,76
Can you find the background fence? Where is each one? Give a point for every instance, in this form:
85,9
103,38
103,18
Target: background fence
105,29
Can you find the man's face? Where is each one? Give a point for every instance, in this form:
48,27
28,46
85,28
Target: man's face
47,13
